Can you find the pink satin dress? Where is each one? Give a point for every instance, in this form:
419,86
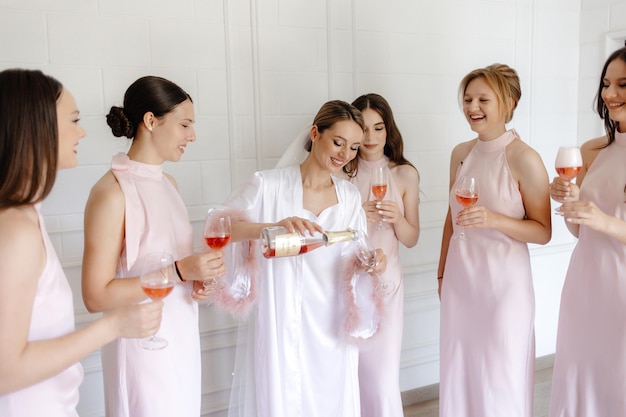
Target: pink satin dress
379,356
166,382
589,377
487,302
52,317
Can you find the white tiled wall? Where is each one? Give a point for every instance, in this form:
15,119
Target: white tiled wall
259,70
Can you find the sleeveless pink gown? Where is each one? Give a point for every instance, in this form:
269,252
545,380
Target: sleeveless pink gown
166,382
589,376
487,302
52,316
379,356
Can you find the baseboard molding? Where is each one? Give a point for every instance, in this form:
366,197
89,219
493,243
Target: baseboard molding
430,392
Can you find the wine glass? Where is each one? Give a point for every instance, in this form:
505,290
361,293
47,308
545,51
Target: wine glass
157,280
379,189
466,195
367,255
569,162
216,236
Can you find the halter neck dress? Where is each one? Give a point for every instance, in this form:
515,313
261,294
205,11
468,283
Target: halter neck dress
379,356
589,377
52,317
166,382
487,301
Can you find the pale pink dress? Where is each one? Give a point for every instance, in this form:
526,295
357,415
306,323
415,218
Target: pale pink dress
590,364
379,356
487,302
166,382
52,317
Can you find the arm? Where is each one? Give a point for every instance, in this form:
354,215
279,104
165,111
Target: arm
24,362
577,212
458,154
528,170
104,237
407,227
562,190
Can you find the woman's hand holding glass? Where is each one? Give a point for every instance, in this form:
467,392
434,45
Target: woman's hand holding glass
466,194
216,235
157,280
375,261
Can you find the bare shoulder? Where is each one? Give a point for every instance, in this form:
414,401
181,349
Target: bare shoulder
406,176
519,153
106,193
405,173
592,147
20,242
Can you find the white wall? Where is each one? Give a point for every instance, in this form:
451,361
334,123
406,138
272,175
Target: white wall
258,70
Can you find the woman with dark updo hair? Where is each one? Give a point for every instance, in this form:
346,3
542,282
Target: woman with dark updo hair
133,210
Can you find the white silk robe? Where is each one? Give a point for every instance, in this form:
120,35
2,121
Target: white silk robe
298,361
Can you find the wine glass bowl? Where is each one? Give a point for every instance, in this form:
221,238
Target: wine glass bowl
466,194
380,180
157,280
569,162
217,227
367,255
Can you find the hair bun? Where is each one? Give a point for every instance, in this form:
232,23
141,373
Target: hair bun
119,123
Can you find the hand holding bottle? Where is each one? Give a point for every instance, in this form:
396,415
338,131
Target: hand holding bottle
300,226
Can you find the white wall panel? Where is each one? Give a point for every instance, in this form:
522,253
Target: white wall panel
259,70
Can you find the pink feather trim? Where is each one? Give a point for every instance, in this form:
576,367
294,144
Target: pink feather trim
353,314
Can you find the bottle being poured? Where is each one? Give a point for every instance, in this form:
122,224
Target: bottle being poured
278,242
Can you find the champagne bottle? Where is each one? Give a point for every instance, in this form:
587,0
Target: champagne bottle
277,241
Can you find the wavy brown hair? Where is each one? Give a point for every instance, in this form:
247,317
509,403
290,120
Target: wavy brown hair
609,125
29,136
332,112
394,146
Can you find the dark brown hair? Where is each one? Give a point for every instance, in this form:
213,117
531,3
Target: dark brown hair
147,94
29,136
394,146
601,108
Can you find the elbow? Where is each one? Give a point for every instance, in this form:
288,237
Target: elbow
412,240
545,237
92,303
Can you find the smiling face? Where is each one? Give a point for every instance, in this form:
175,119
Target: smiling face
70,131
172,132
614,91
337,145
375,136
482,110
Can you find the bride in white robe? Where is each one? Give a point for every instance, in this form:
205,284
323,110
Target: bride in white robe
298,360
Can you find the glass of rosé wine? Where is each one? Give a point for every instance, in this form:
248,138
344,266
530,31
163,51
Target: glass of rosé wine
380,179
466,195
216,236
569,162
157,280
